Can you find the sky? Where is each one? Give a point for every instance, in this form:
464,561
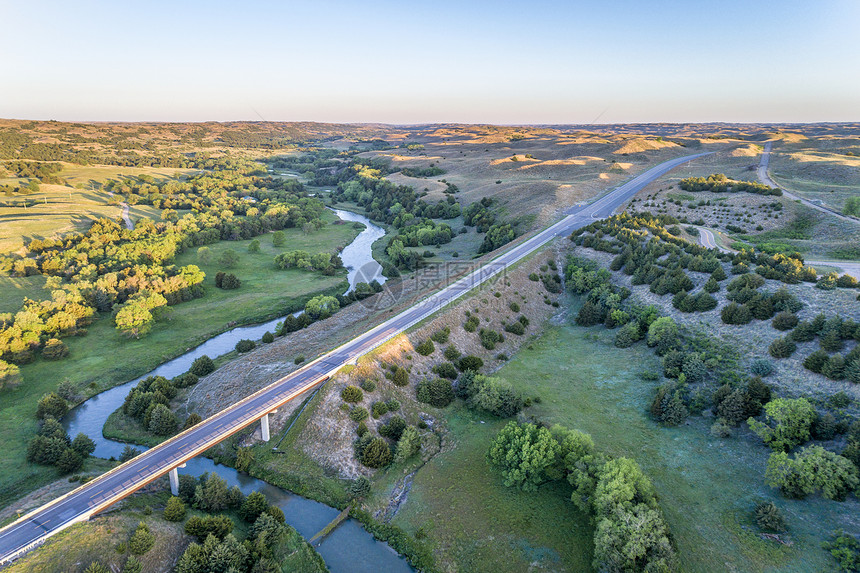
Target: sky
525,62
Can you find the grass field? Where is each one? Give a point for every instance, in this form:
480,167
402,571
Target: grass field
104,358
474,523
707,486
816,171
14,289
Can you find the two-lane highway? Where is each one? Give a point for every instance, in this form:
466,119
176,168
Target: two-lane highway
89,499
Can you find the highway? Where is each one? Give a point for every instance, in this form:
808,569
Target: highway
109,488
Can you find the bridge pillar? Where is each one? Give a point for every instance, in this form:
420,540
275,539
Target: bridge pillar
174,479
264,426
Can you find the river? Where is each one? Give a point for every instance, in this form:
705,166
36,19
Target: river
349,548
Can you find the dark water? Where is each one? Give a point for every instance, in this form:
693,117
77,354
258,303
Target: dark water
349,548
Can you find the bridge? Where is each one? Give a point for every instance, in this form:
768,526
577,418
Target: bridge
91,498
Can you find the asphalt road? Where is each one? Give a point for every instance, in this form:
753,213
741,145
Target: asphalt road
706,239
107,489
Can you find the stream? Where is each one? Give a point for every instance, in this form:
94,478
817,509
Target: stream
349,548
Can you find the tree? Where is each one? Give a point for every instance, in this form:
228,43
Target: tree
132,565
175,509
400,377
470,362
229,281
69,461
438,393
253,506
141,540
321,307
768,517
83,445
352,394
128,453
377,454
202,366
245,345
782,348
10,375
51,404
279,239
408,444
787,423
523,453
254,246
785,321
663,334
496,396
812,469
228,259
426,348
96,567
212,494
163,422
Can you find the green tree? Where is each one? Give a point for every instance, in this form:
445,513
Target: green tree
408,444
663,334
141,540
352,394
69,461
202,366
253,506
163,422
254,246
83,445
400,377
812,469
132,565
279,239
51,404
320,307
377,454
523,453
175,509
787,423
228,259
96,567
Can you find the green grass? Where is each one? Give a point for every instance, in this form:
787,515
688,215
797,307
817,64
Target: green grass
105,358
707,486
474,523
13,290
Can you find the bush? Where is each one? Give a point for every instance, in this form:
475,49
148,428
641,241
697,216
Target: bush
175,509
401,377
228,281
811,470
438,393
141,540
495,396
393,428
202,366
470,362
377,454
663,334
515,328
451,353
514,307
379,409
358,414
253,507
408,445
471,324
787,423
426,348
769,517
55,349
268,337
245,345
352,394
761,367
51,405
734,313
785,321
393,405
816,361
446,370
845,548
782,348
368,385
628,334
441,336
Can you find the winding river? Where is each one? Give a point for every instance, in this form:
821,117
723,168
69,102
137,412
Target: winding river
349,548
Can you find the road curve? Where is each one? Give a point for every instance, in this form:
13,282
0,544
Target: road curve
105,490
707,240
764,177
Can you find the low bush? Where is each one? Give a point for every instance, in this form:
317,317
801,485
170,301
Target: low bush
352,394
438,393
426,348
245,345
782,348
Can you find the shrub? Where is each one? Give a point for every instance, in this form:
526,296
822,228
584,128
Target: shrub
471,324
55,349
514,307
489,338
202,366
812,469
352,394
470,362
268,337
254,246
51,405
761,367
141,540
253,507
515,328
299,359
805,331
816,361
785,321
229,281
185,380
438,393
734,313
495,396
426,348
787,423
451,353
174,510
392,405
393,428
627,335
782,348
377,454
769,517
401,377
379,409
358,414
408,445
441,336
368,385
663,334
446,370
845,548
245,345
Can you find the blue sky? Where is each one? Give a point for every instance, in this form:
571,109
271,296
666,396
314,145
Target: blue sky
417,62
